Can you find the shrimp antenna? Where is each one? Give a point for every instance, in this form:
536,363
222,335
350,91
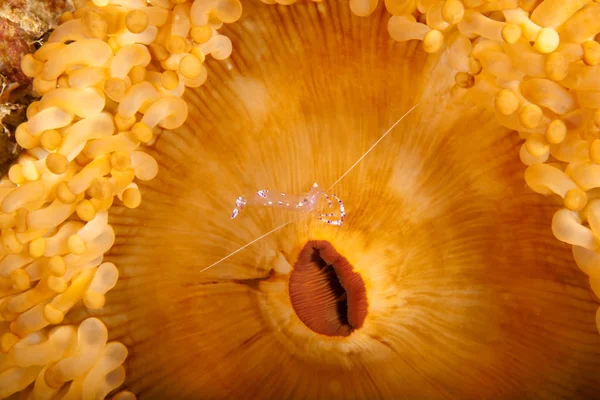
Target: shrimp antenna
247,245
334,183
373,146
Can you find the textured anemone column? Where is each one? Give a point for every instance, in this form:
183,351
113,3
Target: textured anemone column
469,293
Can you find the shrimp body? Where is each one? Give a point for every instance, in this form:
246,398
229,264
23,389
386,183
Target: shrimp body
304,203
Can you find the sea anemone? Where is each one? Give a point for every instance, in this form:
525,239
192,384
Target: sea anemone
445,279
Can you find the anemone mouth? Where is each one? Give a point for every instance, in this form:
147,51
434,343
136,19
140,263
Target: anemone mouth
327,294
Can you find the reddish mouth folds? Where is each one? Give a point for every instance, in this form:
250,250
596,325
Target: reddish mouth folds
328,296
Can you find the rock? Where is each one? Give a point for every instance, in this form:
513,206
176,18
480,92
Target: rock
23,26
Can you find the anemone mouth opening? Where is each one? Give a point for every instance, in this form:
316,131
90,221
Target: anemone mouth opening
328,296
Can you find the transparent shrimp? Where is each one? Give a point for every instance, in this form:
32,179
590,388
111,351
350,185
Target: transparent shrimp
241,202
305,203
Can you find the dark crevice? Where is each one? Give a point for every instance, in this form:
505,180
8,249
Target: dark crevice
333,285
253,283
